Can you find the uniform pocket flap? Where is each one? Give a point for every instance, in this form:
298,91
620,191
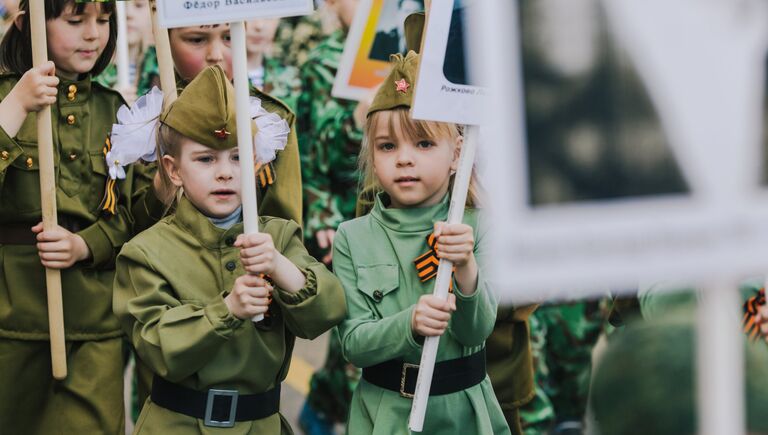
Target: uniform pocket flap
377,280
99,163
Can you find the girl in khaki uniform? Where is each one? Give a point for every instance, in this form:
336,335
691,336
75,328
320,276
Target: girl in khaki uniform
187,288
81,41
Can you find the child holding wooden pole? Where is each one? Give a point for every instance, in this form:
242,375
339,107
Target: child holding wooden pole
391,308
93,223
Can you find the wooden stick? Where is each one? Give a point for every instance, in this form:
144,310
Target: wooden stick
455,215
48,196
164,58
121,52
244,134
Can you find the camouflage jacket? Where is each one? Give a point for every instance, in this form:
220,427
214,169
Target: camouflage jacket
282,81
297,36
148,74
329,141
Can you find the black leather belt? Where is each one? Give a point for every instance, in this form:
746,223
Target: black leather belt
21,234
448,377
218,408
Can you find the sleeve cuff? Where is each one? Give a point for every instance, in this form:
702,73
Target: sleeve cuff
9,150
224,323
98,243
309,290
410,339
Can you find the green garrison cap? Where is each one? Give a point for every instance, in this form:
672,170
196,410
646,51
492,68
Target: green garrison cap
397,89
645,381
205,110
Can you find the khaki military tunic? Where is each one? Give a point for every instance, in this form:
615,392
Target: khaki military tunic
169,297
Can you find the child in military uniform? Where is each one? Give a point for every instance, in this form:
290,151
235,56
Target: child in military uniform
186,301
81,40
391,308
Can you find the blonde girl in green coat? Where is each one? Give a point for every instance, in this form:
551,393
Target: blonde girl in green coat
81,40
187,288
386,261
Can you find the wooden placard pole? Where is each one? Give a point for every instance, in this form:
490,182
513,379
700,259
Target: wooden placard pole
48,196
244,134
164,58
455,215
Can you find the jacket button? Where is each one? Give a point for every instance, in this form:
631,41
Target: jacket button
230,266
30,162
378,295
230,241
4,155
70,119
71,96
72,89
73,156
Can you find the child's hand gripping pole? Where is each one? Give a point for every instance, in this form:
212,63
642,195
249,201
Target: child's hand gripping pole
244,134
443,280
48,196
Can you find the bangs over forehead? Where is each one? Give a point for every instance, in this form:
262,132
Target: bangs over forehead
58,7
401,125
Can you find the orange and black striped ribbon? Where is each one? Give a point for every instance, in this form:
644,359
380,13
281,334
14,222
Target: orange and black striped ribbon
266,174
428,262
109,202
751,307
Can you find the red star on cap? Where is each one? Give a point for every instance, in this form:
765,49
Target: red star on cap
402,86
221,133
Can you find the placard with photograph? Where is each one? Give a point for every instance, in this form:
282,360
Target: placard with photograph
375,34
443,89
623,152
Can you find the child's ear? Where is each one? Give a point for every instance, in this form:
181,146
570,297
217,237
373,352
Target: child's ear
172,169
19,20
456,154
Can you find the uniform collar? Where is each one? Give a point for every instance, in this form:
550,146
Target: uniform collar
200,226
409,220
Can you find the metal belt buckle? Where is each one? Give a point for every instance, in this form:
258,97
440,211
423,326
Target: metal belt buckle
406,366
212,395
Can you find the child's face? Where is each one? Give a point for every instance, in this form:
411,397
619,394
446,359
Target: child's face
415,173
197,47
138,21
261,34
77,40
210,178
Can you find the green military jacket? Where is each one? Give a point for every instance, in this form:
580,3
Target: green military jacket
169,297
282,81
282,199
382,287
82,119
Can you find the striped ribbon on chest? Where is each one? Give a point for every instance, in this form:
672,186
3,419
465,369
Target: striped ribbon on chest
751,307
266,174
428,262
111,194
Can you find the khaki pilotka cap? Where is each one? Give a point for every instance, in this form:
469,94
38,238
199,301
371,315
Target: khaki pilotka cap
205,110
397,88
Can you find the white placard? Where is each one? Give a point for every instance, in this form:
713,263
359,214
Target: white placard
443,90
180,13
700,70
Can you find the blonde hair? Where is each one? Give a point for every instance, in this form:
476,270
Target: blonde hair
401,124
168,143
